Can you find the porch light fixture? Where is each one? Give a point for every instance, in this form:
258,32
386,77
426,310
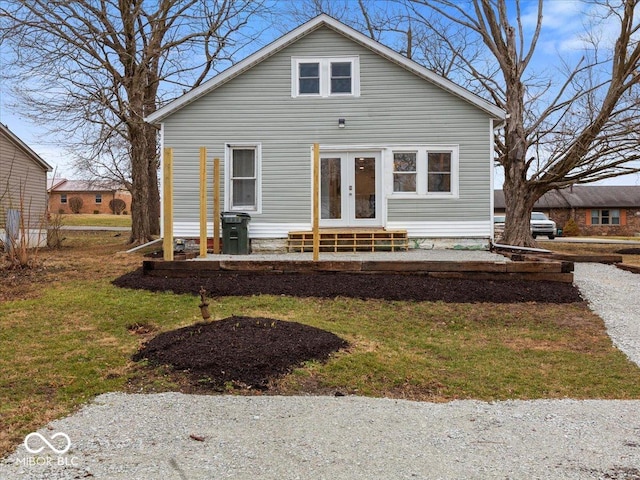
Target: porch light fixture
342,123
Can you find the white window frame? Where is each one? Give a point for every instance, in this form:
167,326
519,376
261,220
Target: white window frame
422,168
325,76
228,184
98,199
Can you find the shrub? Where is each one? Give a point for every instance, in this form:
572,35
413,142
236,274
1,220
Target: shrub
117,206
54,231
96,212
571,229
75,204
61,211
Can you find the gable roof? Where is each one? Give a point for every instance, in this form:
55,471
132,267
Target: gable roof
305,29
64,185
583,196
13,138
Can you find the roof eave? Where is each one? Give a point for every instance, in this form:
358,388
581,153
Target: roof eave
23,146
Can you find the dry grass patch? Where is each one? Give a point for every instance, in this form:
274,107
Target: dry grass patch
67,334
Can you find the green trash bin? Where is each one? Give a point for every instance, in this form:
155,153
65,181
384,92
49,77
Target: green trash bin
235,233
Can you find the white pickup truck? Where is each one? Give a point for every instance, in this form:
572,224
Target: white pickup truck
541,225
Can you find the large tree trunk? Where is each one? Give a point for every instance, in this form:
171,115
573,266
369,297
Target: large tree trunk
519,198
152,173
519,203
140,227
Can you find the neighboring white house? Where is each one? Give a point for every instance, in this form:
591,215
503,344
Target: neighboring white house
23,189
400,147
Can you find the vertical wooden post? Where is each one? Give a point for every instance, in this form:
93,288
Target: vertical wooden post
203,201
216,206
316,202
167,193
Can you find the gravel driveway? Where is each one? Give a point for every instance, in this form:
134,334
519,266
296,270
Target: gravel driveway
176,436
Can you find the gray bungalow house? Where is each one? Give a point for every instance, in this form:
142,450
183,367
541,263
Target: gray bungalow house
400,147
23,191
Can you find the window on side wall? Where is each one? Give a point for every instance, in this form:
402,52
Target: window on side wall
325,76
63,198
425,171
404,171
98,198
439,172
243,178
605,217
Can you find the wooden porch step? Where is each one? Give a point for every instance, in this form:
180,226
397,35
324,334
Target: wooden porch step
350,240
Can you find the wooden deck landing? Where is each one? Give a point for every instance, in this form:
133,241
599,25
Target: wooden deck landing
350,240
549,271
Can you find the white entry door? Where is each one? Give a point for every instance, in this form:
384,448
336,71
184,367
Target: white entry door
350,189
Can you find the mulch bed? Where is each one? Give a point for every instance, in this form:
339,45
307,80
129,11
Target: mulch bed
381,286
239,352
247,353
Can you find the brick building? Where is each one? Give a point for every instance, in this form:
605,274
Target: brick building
96,196
596,209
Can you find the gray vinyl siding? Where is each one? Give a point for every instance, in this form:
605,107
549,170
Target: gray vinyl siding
23,184
395,107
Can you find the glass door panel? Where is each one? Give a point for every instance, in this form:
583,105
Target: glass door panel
364,187
331,188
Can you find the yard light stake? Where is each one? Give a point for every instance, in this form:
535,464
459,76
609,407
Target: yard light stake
204,305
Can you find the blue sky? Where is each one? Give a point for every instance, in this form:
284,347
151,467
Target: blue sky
562,38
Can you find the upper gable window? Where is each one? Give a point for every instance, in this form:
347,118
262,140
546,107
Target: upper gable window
325,76
309,78
341,79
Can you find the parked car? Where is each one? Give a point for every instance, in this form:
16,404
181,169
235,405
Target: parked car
541,225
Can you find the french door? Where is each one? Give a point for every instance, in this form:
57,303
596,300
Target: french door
350,189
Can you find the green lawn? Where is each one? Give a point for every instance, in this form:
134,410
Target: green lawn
64,339
97,220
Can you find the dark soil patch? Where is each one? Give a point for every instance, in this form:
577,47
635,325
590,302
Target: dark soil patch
241,352
629,251
381,286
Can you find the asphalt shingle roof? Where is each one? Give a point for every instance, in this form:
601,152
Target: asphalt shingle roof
583,196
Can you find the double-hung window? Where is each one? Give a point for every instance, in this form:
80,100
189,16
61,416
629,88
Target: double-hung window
404,171
243,177
605,217
341,78
425,170
439,172
309,78
63,198
325,76
98,198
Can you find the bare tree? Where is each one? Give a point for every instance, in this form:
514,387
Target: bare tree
580,131
383,20
92,70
